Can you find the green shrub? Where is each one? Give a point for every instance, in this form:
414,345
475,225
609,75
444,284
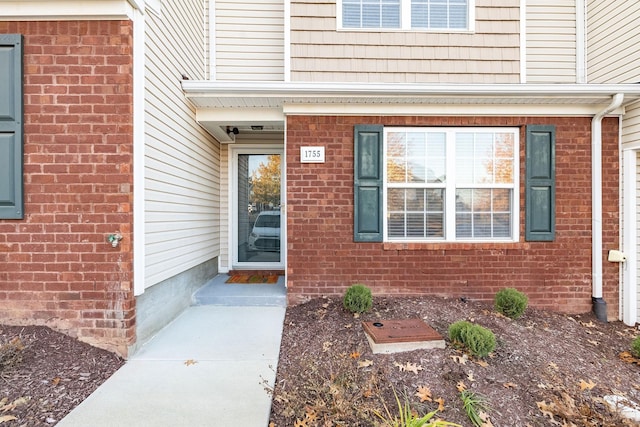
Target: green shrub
511,302
479,341
456,331
635,347
358,299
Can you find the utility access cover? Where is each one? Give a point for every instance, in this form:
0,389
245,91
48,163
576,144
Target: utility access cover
393,336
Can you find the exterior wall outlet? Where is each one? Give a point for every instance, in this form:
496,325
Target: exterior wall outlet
114,239
616,256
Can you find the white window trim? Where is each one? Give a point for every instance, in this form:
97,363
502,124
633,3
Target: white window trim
405,21
450,187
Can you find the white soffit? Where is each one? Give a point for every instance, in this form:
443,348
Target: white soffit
43,10
221,106
290,97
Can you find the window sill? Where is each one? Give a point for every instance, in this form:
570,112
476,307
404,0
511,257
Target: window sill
466,246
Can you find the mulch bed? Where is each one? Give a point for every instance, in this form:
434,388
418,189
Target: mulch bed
45,374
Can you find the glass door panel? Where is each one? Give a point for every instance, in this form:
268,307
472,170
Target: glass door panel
258,209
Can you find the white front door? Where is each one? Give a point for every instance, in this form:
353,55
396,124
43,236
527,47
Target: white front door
258,221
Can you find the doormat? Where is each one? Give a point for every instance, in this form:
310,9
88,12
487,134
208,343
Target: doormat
253,278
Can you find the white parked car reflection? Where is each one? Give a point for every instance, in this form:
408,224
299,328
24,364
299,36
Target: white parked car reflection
265,235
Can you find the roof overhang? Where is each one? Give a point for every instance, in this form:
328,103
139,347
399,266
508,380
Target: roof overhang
47,10
221,106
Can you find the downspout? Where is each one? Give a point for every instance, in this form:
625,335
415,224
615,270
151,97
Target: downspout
599,305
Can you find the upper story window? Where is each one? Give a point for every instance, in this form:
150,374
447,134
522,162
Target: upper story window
407,14
451,184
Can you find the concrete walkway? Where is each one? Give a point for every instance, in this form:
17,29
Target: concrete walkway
212,366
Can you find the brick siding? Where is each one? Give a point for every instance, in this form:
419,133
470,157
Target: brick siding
58,268
323,259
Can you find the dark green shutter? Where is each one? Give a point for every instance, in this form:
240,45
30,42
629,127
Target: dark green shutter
540,184
11,128
368,183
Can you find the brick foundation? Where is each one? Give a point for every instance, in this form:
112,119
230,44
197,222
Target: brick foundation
58,268
323,259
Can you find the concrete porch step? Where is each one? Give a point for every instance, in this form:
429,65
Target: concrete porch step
217,292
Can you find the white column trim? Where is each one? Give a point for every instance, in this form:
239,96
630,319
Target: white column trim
138,153
629,238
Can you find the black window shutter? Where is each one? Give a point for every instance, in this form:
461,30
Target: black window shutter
11,127
368,183
540,184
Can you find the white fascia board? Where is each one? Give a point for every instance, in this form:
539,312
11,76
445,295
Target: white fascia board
349,89
42,10
522,110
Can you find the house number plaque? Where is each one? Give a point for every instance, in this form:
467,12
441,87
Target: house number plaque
312,154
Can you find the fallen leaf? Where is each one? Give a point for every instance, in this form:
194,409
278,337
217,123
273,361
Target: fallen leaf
627,357
482,363
553,366
596,343
470,376
461,386
546,409
511,385
440,402
587,385
190,362
413,367
6,418
310,416
6,407
588,325
326,346
365,363
460,359
348,325
367,393
424,394
300,423
354,355
486,421
55,381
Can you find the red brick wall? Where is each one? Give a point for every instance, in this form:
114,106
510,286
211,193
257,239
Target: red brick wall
324,260
57,267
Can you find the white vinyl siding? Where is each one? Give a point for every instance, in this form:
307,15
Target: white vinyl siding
613,53
181,159
249,40
551,41
489,54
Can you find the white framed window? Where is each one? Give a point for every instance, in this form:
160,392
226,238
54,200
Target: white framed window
451,184
437,15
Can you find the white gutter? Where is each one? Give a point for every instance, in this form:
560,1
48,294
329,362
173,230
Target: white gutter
596,206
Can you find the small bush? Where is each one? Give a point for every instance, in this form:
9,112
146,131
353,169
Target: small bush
511,302
479,341
358,299
635,347
456,331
